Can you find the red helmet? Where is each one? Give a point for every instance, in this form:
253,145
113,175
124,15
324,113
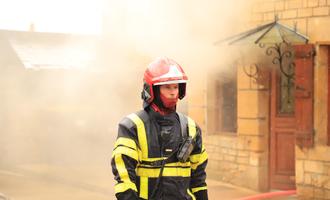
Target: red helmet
160,72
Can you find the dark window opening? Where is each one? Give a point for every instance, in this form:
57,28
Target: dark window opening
226,108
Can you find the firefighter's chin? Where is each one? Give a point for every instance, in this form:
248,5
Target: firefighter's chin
170,103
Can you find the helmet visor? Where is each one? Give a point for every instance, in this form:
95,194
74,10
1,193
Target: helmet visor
170,82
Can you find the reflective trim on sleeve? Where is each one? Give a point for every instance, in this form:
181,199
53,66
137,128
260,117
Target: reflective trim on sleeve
197,189
124,177
168,171
142,136
122,150
198,159
122,187
190,194
144,187
126,142
174,164
191,127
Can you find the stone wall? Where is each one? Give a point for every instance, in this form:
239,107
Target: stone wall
312,18
313,172
239,158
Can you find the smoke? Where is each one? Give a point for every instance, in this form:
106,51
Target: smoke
69,117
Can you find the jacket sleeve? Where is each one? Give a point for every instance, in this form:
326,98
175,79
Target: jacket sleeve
124,161
198,160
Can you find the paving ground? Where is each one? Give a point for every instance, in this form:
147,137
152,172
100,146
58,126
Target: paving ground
44,182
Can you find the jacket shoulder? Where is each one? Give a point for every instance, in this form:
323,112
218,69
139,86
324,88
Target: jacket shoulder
130,121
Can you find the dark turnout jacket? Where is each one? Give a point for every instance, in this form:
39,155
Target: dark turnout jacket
145,139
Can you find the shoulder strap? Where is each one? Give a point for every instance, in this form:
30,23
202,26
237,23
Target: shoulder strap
184,124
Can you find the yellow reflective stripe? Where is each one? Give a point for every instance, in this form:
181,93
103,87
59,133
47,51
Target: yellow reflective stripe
191,127
154,173
124,177
126,151
144,187
190,194
126,142
153,159
198,159
122,187
142,136
176,164
197,189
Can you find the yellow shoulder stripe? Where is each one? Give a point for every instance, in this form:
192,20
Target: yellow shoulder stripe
142,136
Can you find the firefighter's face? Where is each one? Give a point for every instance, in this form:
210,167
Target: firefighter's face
170,91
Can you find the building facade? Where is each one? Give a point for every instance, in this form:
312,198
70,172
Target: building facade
267,128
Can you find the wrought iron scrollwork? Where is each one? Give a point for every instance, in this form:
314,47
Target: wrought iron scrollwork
282,52
283,57
252,72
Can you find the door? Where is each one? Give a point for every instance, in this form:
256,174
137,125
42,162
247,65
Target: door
282,138
291,115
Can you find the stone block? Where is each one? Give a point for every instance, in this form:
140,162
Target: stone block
249,178
241,144
321,11
252,126
268,16
327,184
312,3
212,165
308,179
321,114
228,142
292,4
314,167
229,158
209,148
300,171
305,3
242,160
289,14
232,152
318,193
322,25
320,180
245,154
247,104
233,166
320,153
242,168
257,144
305,192
322,2
327,194
279,5
267,6
305,12
223,150
258,159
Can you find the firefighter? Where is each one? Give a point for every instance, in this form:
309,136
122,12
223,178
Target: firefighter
158,154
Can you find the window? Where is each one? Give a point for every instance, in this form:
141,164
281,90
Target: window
228,106
286,103
222,102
